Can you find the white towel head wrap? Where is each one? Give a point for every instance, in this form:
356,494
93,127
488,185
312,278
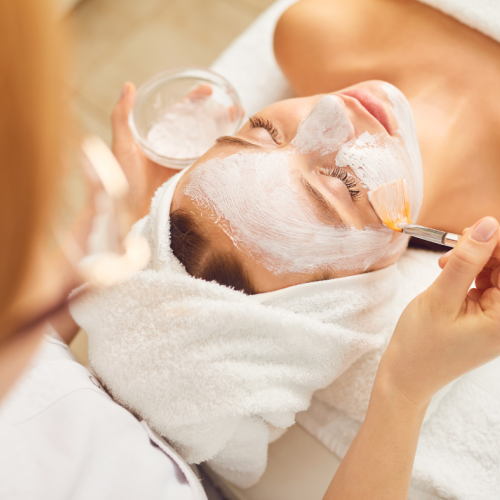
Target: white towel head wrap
218,373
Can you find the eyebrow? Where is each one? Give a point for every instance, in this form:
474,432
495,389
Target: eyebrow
321,201
227,139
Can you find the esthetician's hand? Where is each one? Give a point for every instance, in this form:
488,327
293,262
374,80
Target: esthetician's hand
448,330
490,274
144,175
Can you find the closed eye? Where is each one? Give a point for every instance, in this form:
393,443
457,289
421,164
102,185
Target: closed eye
345,177
259,122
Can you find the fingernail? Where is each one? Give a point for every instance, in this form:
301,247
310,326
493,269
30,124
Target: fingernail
124,91
443,259
485,230
445,255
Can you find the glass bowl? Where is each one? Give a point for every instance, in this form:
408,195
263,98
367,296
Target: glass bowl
179,113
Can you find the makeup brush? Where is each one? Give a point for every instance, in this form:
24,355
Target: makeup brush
391,203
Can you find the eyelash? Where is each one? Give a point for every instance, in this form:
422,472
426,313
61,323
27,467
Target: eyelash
259,122
339,173
345,177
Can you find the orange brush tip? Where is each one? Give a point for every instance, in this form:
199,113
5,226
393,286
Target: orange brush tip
391,203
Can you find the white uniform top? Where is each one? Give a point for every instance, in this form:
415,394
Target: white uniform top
63,437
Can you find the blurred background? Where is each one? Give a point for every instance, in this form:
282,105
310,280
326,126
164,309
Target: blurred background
119,40
114,41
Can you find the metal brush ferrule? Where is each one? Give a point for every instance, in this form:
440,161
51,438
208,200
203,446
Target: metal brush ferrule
451,239
429,234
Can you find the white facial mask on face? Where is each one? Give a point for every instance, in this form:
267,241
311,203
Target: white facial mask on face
257,206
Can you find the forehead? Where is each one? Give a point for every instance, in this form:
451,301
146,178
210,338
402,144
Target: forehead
206,216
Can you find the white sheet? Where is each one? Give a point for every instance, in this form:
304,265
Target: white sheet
482,15
249,63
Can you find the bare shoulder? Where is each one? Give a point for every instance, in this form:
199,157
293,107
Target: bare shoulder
314,37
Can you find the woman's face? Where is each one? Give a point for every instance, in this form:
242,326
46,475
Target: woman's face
289,193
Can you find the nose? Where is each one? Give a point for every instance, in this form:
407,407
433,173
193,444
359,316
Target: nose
366,113
326,128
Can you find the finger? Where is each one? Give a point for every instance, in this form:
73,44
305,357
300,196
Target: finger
493,263
444,259
465,262
201,92
233,112
475,294
496,253
122,135
488,277
483,280
490,303
495,277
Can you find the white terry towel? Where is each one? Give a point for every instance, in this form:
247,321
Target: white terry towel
458,453
482,15
350,392
218,373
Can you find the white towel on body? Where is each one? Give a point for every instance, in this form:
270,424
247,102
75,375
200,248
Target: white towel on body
458,453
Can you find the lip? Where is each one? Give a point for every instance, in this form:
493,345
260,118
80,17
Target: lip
373,105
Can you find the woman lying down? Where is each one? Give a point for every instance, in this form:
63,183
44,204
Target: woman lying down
271,278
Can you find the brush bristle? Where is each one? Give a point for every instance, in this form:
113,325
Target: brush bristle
391,203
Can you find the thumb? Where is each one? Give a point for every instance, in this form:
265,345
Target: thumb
122,135
466,261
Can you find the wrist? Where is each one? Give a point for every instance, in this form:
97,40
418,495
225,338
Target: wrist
387,389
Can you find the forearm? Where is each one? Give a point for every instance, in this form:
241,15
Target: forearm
379,462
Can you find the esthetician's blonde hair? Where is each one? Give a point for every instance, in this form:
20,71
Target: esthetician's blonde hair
30,95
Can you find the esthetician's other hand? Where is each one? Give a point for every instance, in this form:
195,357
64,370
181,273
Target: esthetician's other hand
448,330
144,175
